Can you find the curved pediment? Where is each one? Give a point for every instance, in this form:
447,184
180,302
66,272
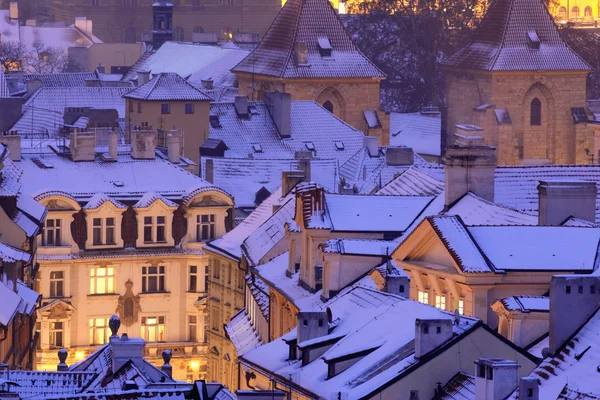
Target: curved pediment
207,196
58,201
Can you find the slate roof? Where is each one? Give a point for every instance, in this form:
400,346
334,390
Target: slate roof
507,37
64,79
359,247
242,333
309,21
167,86
460,387
47,383
419,131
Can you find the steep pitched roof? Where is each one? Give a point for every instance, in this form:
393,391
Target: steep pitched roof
167,86
316,23
517,35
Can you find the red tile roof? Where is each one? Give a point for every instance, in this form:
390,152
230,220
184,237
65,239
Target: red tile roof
517,35
308,21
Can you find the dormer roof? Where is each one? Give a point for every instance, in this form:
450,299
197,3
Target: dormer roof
517,35
330,52
167,86
150,198
99,199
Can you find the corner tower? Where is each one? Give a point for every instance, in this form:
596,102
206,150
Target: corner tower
523,85
162,28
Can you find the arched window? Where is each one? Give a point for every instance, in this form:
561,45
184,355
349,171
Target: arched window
130,35
178,34
587,12
575,12
536,112
562,13
328,106
198,29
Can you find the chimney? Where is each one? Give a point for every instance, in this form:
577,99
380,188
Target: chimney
529,388
289,179
301,53
174,146
396,281
143,77
279,105
113,145
82,146
260,394
430,334
166,367
12,141
84,25
372,146
469,166
313,200
397,156
495,378
559,200
573,299
241,106
208,84
13,12
62,357
210,170
123,348
311,325
32,86
143,143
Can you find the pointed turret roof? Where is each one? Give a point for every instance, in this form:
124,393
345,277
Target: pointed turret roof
517,35
315,23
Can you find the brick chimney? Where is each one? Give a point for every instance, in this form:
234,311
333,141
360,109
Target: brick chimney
12,141
430,334
124,348
82,146
143,143
313,201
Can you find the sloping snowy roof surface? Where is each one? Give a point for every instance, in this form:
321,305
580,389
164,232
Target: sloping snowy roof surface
311,22
359,247
460,387
100,198
503,41
242,333
9,254
417,131
361,314
10,305
477,211
167,86
526,303
47,383
64,79
413,182
309,123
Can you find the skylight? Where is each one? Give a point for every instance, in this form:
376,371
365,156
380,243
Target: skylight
533,40
214,121
257,148
252,110
339,145
310,146
324,46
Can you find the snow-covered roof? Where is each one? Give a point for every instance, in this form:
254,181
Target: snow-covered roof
124,253
315,23
126,179
477,211
419,131
526,303
362,318
63,79
9,254
36,384
10,304
242,334
150,198
414,181
359,247
460,387
245,177
100,198
310,124
30,298
167,86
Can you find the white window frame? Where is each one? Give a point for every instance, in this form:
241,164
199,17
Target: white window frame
52,331
192,325
103,228
193,273
99,274
210,225
160,275
55,283
56,230
150,323
440,302
99,331
423,297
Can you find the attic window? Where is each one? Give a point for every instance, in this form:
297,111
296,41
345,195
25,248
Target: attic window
325,48
257,148
533,40
214,121
252,110
310,146
339,145
118,183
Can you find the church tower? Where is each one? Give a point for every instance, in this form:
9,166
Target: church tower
520,82
162,30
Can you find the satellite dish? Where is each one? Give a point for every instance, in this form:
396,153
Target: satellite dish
456,317
545,352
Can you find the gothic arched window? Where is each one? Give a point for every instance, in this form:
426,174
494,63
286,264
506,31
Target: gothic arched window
328,106
536,112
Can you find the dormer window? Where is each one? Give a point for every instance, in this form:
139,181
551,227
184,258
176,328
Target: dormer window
325,48
104,231
533,40
52,233
205,227
155,229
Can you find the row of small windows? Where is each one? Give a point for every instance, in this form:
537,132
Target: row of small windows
440,301
575,13
165,108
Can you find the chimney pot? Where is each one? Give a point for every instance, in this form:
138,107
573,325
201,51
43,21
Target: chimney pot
241,106
174,146
13,12
495,378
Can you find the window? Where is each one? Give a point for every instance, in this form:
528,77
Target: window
57,284
130,105
461,306
481,371
229,268
214,319
216,271
99,330
192,323
568,289
103,231
240,282
153,279
56,334
440,302
587,12
193,279
52,233
580,289
536,112
423,297
148,225
165,108
153,329
205,227
161,228
414,395
328,106
95,3
149,229
139,107
562,13
189,108
102,280
593,289
575,12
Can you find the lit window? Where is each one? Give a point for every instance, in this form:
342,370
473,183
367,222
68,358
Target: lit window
153,329
189,108
205,227
165,108
153,279
52,233
193,277
57,284
440,302
56,334
99,330
103,231
423,297
461,306
102,280
192,324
